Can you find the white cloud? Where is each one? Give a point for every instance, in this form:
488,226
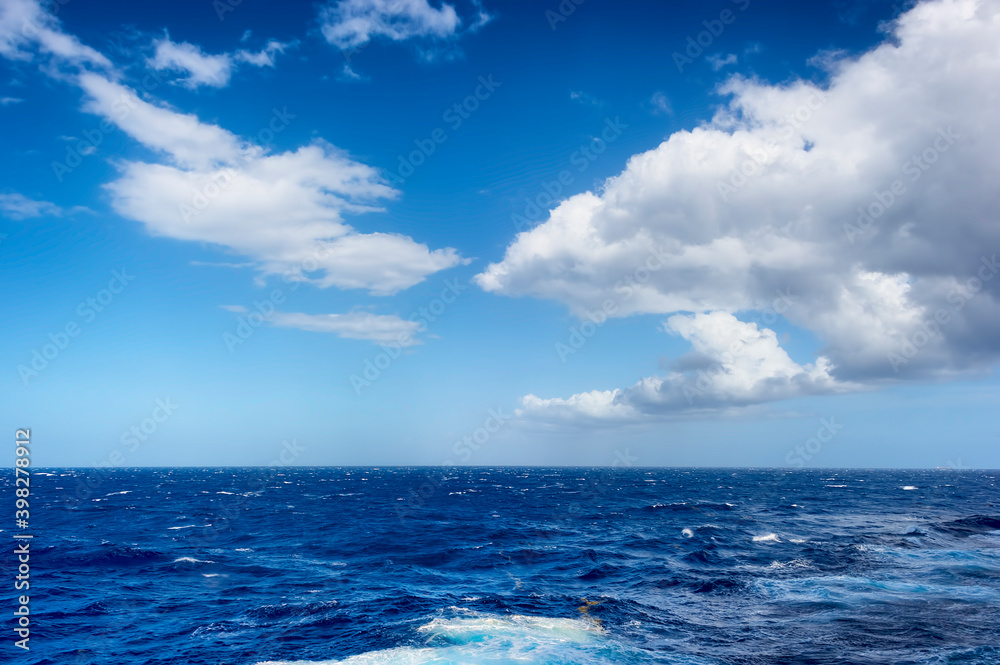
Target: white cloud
348,74
183,137
661,104
284,211
18,206
352,23
201,68
264,57
717,61
6,101
766,196
582,408
378,328
732,364
24,26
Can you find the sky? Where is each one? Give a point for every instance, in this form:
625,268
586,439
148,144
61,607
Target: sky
588,232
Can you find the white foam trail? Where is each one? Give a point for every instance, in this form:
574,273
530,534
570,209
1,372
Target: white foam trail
474,638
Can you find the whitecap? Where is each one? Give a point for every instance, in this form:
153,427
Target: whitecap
909,487
767,538
190,559
687,533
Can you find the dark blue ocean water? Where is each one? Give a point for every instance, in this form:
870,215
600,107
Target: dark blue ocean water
477,565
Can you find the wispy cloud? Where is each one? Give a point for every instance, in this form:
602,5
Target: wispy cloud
18,206
350,24
718,61
379,328
660,104
585,98
203,69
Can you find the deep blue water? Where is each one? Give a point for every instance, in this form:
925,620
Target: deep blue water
721,566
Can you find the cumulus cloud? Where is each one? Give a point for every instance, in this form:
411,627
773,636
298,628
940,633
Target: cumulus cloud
350,24
732,364
872,198
201,68
378,328
284,211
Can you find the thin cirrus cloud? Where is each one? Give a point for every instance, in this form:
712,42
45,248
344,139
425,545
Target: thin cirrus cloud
872,204
717,61
18,206
378,328
350,24
285,211
203,69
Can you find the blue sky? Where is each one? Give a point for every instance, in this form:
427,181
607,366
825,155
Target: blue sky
373,232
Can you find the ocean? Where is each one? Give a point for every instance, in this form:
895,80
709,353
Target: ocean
373,566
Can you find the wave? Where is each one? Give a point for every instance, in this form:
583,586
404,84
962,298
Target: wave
973,524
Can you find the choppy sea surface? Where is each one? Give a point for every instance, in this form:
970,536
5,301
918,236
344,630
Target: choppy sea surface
373,566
